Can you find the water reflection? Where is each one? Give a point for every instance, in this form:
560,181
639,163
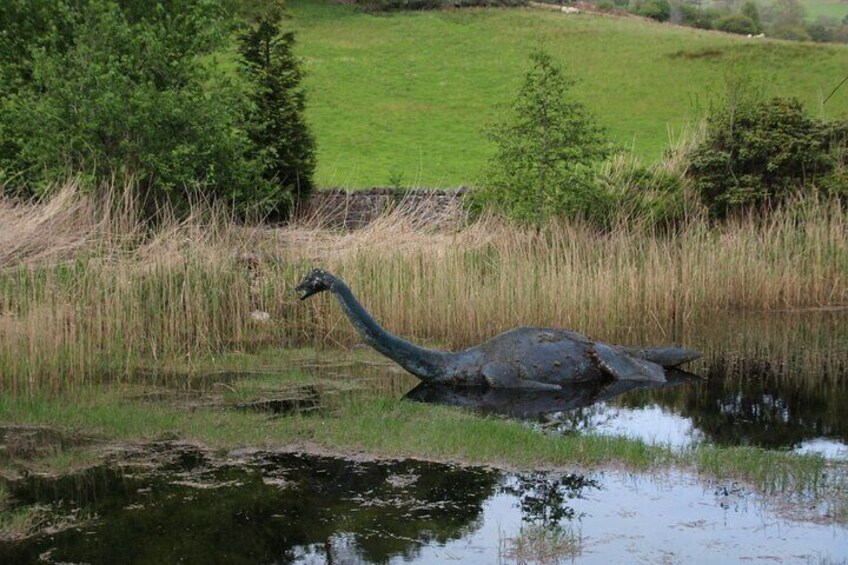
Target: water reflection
272,508
543,499
173,504
749,402
527,404
777,381
829,448
739,402
651,424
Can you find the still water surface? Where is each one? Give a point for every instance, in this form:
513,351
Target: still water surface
283,508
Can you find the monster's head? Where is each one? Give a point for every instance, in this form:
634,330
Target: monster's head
313,283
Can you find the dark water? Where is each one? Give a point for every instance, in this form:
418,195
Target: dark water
191,507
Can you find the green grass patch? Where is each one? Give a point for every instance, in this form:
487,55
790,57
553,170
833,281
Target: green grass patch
827,8
406,96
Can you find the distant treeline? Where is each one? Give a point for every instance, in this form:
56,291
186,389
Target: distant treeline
780,19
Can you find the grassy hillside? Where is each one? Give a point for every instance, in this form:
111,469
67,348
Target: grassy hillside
830,8
404,97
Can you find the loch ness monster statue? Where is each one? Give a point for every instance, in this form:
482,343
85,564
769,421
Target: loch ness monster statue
525,357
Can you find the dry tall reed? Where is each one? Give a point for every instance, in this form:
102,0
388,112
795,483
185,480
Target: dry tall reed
89,293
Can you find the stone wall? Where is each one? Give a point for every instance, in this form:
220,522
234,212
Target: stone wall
337,208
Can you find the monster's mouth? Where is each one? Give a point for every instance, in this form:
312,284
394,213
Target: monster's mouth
306,290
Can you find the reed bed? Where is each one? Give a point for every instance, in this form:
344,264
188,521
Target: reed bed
88,293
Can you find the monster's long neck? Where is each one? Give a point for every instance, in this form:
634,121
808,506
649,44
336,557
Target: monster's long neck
426,364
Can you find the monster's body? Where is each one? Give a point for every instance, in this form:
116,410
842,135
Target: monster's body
525,357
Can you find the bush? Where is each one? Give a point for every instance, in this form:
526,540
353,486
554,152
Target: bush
751,10
702,18
820,32
29,26
119,91
659,10
546,150
840,34
757,153
791,33
736,23
125,97
787,13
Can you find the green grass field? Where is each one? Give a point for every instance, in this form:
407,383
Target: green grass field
830,8
403,98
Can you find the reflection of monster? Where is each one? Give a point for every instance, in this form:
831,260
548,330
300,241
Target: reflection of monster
533,358
543,498
535,403
274,508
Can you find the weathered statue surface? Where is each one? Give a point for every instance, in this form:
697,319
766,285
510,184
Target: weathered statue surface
534,404
526,357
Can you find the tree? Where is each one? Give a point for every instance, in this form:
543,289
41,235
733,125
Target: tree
121,90
276,122
546,148
752,11
26,27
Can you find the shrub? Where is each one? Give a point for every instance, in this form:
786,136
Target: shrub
757,153
659,10
547,147
27,27
736,23
787,13
821,32
120,91
840,33
127,97
791,33
751,10
702,18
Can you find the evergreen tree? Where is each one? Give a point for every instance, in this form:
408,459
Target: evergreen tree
276,122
